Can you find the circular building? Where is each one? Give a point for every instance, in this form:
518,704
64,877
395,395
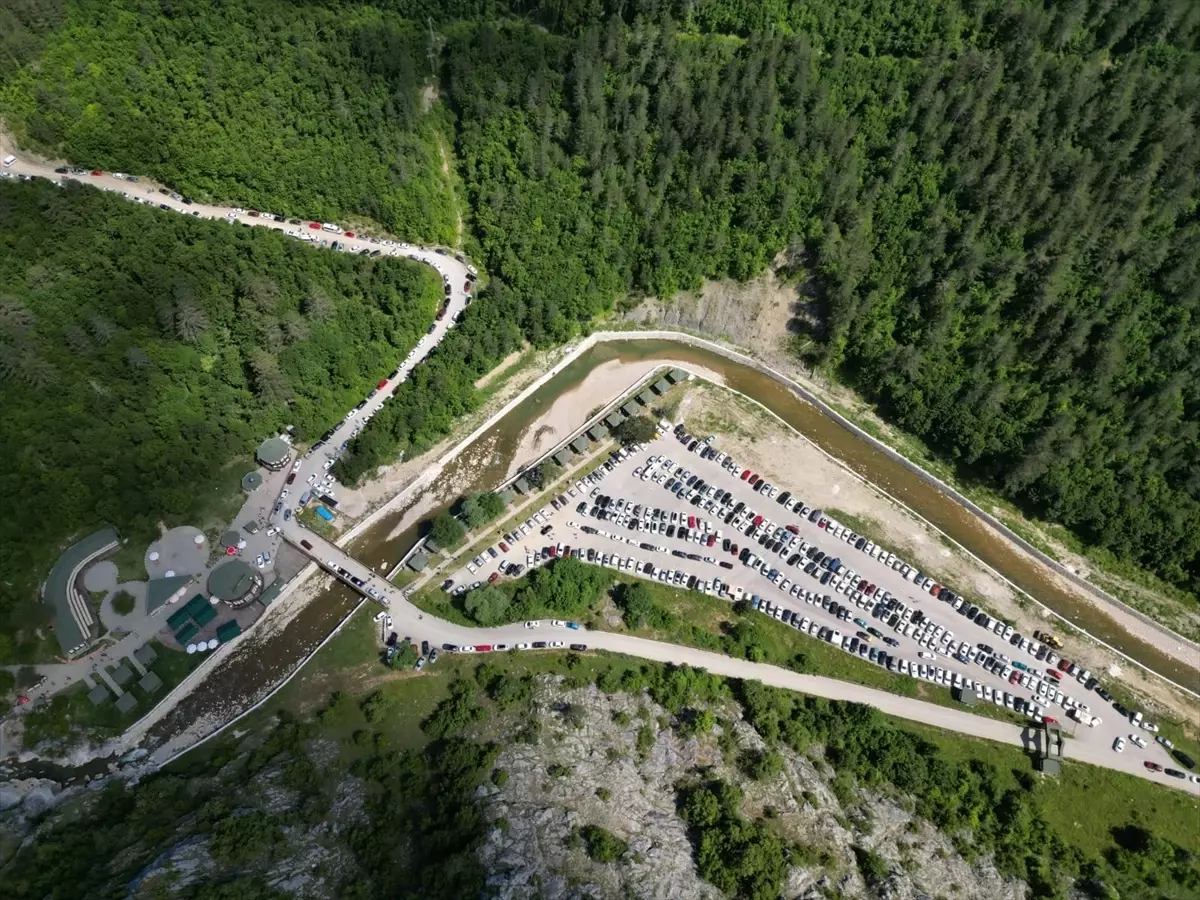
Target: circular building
235,582
251,481
273,453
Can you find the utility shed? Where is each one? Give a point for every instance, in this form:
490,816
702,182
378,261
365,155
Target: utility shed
646,397
615,418
521,486
562,457
122,674
227,631
145,654
677,375
597,432
126,703
150,683
580,444
661,386
418,561
630,409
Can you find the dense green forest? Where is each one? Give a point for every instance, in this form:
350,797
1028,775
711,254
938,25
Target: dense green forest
142,351
245,102
995,200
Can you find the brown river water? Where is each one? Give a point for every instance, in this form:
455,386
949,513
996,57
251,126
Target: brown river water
259,664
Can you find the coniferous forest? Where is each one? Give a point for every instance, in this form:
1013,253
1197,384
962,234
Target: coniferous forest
996,200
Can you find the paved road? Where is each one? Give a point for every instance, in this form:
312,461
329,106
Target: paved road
1092,746
262,547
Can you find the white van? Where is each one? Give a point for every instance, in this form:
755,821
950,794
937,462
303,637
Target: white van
333,229
9,160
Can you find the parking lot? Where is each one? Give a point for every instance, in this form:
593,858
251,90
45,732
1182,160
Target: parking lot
678,511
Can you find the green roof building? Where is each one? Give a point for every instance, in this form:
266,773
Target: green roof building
162,591
661,386
273,453
185,634
646,397
677,375
597,432
562,457
418,561
521,486
580,444
227,631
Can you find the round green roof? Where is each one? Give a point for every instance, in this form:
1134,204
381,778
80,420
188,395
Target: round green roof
231,581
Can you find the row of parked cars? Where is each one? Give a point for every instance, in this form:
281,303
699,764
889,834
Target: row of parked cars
1046,685
538,521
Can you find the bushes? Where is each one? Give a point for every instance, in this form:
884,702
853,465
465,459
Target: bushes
479,509
741,858
455,713
487,605
446,531
602,845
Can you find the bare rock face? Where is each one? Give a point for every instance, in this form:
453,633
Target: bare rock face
585,768
536,812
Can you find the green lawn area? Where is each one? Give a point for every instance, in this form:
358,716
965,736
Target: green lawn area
1085,802
70,717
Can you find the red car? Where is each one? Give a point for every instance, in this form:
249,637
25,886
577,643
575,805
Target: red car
483,648
350,234
315,226
553,551
758,520
492,578
793,529
22,700
1053,674
97,171
1152,766
504,546
746,475
382,384
1050,719
712,539
1064,664
691,521
734,549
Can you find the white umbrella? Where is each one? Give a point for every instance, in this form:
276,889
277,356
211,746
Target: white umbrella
191,648
212,643
199,539
153,556
170,573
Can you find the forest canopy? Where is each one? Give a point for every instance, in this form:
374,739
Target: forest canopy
142,352
992,201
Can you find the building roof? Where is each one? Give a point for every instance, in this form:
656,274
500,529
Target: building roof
562,457
227,631
231,538
521,486
122,674
677,375
203,616
251,481
73,621
580,444
99,694
615,418
417,561
597,432
145,654
161,591
233,580
630,409
150,683
646,397
507,496
186,633
661,386
273,451
126,703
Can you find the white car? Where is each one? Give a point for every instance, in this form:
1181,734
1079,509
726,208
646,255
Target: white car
557,644
532,624
924,655
312,478
258,561
1151,727
379,616
558,623
1119,744
388,623
522,646
1137,740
